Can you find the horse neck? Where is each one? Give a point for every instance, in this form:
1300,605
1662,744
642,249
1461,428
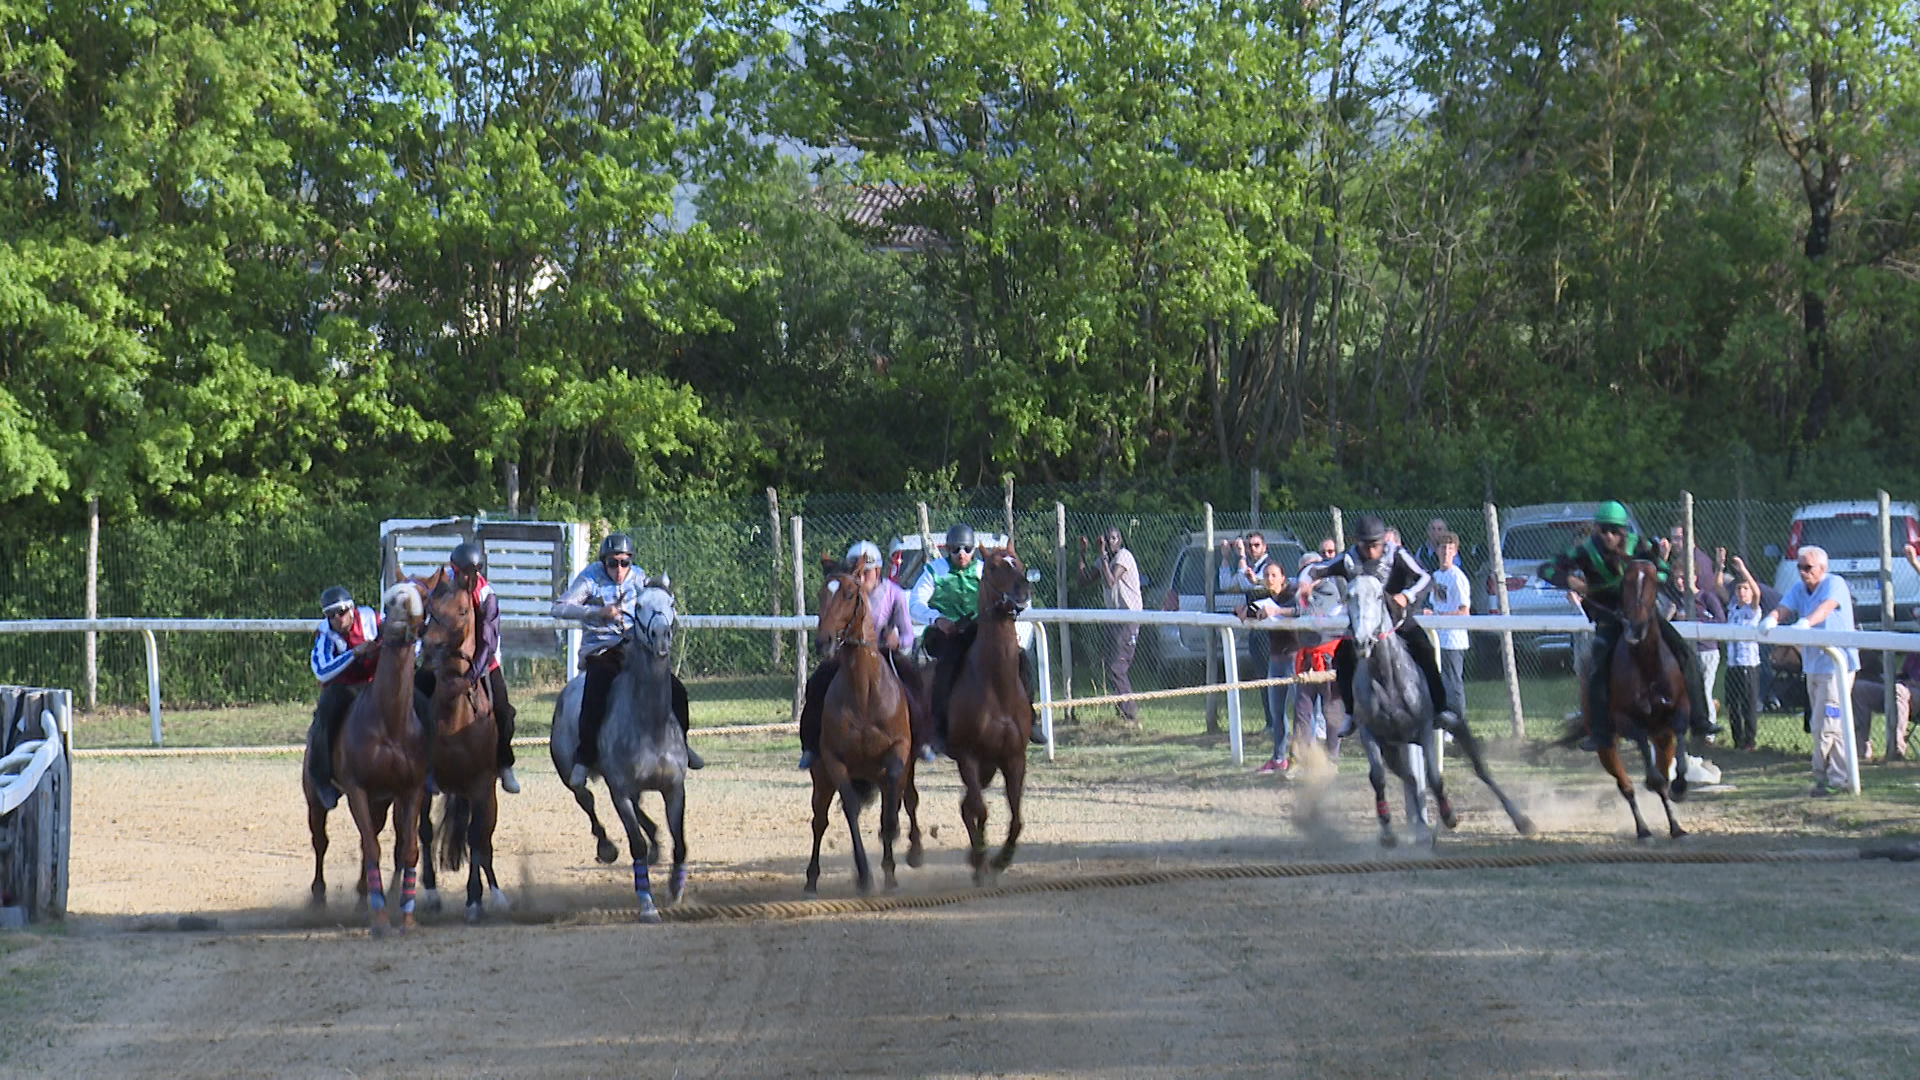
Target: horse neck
651,679
392,687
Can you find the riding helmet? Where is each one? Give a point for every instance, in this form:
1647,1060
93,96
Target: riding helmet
1611,513
616,544
863,549
335,600
1370,528
468,558
959,536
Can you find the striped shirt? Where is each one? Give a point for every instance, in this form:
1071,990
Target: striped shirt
332,659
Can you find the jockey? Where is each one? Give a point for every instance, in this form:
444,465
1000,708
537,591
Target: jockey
1373,556
346,651
464,568
887,602
1592,571
951,608
606,596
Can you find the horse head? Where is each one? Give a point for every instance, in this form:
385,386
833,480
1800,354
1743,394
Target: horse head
652,626
404,608
1368,619
449,629
844,612
1006,587
1639,598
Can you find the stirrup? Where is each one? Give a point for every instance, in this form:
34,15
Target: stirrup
508,782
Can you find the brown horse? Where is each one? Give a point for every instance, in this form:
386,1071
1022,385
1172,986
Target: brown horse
380,762
989,717
866,738
464,763
1648,689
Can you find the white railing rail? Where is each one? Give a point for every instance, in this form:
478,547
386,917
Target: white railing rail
1228,626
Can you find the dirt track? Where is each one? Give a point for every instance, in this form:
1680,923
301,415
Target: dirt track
1748,971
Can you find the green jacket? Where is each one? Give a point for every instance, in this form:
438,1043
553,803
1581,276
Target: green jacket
957,595
1603,575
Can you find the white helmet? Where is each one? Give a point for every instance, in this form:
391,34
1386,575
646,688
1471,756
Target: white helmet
864,549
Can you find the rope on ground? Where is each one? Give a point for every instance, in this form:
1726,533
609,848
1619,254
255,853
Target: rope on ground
780,727
860,905
1189,691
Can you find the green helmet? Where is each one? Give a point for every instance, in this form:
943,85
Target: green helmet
1611,513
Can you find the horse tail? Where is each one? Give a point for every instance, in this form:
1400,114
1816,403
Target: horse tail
864,789
453,832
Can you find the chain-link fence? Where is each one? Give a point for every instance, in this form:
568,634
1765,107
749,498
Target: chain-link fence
743,564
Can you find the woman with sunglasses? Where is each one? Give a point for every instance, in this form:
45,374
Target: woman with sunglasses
1592,570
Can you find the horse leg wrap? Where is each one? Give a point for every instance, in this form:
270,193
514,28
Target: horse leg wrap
406,890
641,886
376,893
1380,808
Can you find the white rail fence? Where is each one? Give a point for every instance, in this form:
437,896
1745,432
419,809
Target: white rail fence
1227,626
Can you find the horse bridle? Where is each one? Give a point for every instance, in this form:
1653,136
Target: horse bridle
861,607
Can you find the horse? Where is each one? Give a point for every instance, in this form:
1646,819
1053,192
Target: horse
989,717
866,738
641,746
463,750
1648,700
1395,714
380,764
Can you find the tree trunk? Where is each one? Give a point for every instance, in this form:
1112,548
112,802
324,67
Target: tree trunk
1821,197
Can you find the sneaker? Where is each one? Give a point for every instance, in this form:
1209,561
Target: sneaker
694,760
328,795
1274,765
806,760
508,782
1819,791
579,777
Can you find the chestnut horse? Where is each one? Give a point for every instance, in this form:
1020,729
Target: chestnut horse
380,763
464,763
1649,697
989,717
866,737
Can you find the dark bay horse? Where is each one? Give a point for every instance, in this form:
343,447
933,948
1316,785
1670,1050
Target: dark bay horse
464,749
866,735
988,715
1649,702
380,763
641,746
1394,713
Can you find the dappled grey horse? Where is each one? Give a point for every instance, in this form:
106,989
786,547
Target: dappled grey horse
641,746
1395,715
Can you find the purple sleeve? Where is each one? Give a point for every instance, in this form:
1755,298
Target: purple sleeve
897,615
488,643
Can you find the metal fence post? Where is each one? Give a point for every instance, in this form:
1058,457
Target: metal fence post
1507,664
1043,667
1887,670
1231,650
153,684
1060,595
90,661
799,632
1213,652
773,519
1689,576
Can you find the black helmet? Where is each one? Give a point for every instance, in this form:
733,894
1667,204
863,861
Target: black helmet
616,544
959,536
468,557
1370,528
336,600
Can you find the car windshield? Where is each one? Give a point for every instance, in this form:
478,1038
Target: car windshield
1541,540
1856,536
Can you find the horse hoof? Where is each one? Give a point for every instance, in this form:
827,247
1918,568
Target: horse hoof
1525,826
916,857
1447,816
377,931
810,893
1388,840
649,914
474,914
318,900
1679,833
497,901
605,851
431,901
677,884
864,886
407,925
1643,835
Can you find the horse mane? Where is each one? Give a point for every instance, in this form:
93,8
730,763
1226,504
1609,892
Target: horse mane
407,594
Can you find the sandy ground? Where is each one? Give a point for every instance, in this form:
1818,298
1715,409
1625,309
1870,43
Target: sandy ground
1796,970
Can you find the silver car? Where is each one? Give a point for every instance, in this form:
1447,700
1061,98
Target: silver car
1186,578
1530,536
1849,532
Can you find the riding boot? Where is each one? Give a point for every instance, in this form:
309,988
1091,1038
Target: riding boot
1346,661
599,670
329,716
1699,707
813,708
683,712
1420,647
1597,707
503,716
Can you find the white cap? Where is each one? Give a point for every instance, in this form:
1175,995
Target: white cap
864,549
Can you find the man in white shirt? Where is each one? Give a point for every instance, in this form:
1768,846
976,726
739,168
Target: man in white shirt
1820,599
1119,577
1450,596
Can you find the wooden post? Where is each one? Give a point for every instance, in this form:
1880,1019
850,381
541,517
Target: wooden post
1339,528
1887,669
90,676
1213,648
1519,729
1060,596
773,519
1253,499
926,535
513,489
799,633
1689,585
1008,504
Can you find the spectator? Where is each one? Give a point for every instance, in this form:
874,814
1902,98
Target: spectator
1270,602
1821,599
1451,595
1243,565
1392,537
1119,577
1316,707
1429,554
1705,578
1707,609
1743,659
